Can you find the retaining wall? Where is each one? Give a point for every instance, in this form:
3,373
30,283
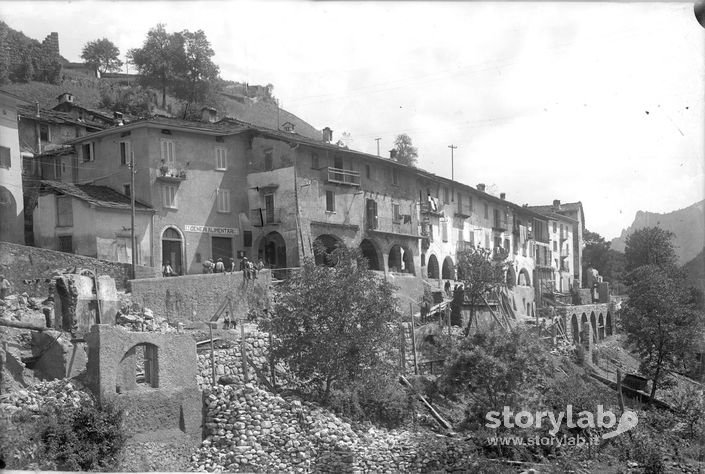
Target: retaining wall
197,297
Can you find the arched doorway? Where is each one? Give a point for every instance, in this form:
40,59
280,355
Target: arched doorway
369,251
511,277
8,216
323,246
593,324
400,260
601,326
608,324
448,269
272,250
139,367
524,278
172,249
433,267
576,329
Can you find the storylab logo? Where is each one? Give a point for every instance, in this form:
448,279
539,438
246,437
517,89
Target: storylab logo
604,419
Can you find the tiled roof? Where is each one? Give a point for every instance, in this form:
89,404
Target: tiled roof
100,196
54,116
567,206
549,212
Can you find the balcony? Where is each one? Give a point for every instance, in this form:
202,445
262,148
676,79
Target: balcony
171,175
427,209
341,176
463,213
388,225
265,216
499,226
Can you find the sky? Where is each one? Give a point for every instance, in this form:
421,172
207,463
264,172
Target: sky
601,103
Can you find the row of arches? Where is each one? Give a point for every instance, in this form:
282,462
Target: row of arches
400,258
601,326
447,272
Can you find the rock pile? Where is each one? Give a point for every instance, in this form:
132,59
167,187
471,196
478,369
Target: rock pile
136,318
228,362
57,393
249,429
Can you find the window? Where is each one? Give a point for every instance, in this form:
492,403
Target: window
444,231
314,161
269,208
247,238
64,211
487,211
555,246
330,201
125,149
222,247
88,152
221,159
44,134
57,168
268,160
395,177
167,152
65,243
223,200
446,196
169,196
395,212
368,172
554,227
5,157
126,190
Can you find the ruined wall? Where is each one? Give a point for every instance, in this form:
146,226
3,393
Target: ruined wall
20,262
197,297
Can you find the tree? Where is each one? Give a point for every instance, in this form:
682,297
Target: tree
598,255
660,322
159,59
480,272
404,150
650,246
197,69
102,55
332,324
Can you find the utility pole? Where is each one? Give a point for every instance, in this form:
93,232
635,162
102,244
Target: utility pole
452,148
132,216
377,140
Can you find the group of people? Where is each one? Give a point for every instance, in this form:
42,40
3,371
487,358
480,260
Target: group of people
248,267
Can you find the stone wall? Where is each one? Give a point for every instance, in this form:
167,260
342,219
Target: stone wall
20,262
197,297
228,362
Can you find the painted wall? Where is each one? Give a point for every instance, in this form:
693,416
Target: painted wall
110,240
11,199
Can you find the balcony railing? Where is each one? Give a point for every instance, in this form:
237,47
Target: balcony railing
390,225
171,175
265,216
341,176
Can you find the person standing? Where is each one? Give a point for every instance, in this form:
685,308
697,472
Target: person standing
226,320
167,271
231,265
219,267
208,266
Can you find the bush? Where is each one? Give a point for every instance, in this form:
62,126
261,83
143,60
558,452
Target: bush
86,438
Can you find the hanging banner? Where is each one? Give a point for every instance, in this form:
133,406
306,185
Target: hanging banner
204,229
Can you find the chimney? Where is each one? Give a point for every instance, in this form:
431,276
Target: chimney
117,117
327,135
556,204
65,97
36,108
393,153
209,114
502,195
481,187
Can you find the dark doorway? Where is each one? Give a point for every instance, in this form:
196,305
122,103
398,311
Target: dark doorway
433,267
222,247
172,250
370,253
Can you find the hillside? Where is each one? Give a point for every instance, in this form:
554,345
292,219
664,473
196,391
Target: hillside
695,271
687,224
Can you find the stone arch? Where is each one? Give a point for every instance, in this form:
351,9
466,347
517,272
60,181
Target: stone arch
272,250
524,278
575,327
400,259
593,324
323,246
8,215
601,326
448,271
173,248
139,367
432,267
370,252
608,324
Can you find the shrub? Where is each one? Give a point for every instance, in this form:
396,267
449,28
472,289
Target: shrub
86,438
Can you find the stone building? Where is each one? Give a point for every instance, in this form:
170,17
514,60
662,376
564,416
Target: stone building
11,189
